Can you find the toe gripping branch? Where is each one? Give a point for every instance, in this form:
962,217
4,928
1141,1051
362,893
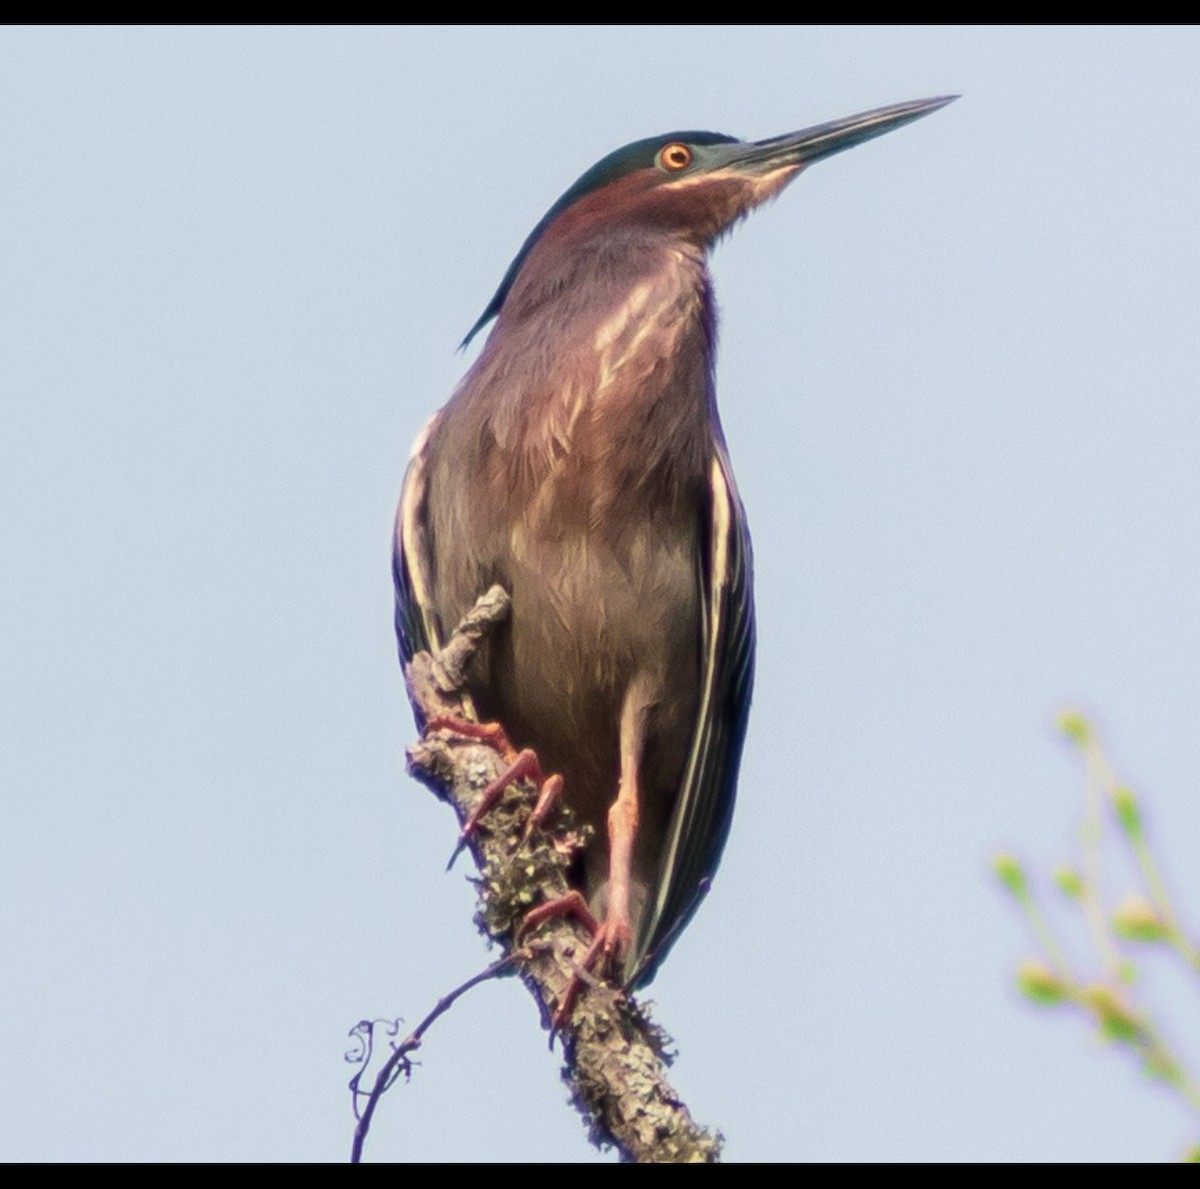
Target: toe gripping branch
609,939
523,765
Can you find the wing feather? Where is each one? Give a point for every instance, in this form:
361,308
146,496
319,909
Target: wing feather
700,823
412,557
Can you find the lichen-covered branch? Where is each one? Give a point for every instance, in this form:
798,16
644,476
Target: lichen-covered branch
615,1056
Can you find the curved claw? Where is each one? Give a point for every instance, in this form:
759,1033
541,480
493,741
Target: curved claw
459,847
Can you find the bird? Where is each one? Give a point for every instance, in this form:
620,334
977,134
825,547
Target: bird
581,464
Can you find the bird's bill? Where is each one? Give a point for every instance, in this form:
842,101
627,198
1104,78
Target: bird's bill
797,149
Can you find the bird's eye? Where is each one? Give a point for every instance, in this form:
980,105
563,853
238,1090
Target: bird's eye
674,157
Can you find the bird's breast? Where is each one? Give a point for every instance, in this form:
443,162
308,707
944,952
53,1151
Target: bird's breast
596,612
588,426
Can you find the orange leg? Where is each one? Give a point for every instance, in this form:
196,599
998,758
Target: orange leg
616,936
613,939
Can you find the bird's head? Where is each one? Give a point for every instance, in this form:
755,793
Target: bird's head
691,185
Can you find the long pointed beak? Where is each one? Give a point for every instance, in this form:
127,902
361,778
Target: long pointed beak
823,140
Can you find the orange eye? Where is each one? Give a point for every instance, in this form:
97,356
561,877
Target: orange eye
674,157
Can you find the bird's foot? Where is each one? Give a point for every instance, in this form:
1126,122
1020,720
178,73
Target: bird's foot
490,733
525,765
521,765
611,941
571,905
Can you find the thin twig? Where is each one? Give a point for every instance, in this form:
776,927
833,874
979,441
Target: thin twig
1097,778
399,1063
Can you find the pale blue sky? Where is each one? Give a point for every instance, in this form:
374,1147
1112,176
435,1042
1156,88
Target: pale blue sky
960,376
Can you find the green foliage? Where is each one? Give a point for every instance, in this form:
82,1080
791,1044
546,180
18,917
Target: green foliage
1125,804
1040,983
1069,881
1142,917
1135,919
1011,875
1076,728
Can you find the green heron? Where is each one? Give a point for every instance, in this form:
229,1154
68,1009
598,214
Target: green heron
581,465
